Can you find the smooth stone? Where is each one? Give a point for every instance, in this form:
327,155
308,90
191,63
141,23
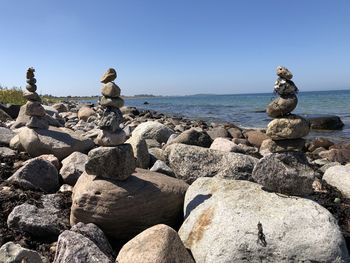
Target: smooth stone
107,138
339,177
319,142
153,130
191,162
75,247
284,87
140,150
110,90
222,219
31,81
72,167
44,220
30,73
291,127
159,243
282,106
218,132
37,174
31,87
161,167
109,76
60,107
111,162
123,209
34,108
60,142
336,155
111,102
255,137
224,144
13,253
157,153
193,137
85,112
270,146
287,173
235,132
32,96
36,122
7,152
325,122
283,72
6,135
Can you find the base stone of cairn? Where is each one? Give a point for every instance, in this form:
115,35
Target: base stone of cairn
285,127
110,116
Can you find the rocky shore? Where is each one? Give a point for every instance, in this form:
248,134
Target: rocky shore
111,183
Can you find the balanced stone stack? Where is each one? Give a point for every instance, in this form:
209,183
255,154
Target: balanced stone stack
286,129
33,107
110,116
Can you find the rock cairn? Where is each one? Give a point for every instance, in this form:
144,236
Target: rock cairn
33,107
110,116
286,127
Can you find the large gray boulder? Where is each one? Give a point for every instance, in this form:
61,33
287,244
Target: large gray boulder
287,173
153,130
290,127
236,221
14,253
60,142
72,167
123,209
159,243
37,174
339,177
191,162
42,220
111,162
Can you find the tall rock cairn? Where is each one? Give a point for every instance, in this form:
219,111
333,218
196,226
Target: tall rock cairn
286,126
34,109
110,115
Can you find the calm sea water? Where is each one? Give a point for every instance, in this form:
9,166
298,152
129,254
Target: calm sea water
248,110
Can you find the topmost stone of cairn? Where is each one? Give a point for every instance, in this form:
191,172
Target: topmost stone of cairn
109,76
284,73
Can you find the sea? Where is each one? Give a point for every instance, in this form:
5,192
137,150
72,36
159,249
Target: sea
248,110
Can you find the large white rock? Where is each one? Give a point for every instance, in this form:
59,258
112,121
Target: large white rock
159,243
153,130
339,177
222,225
191,162
60,142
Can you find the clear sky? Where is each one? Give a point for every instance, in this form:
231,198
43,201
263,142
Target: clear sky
175,47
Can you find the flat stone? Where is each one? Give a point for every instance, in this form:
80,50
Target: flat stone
31,87
110,90
159,243
36,122
111,102
126,208
32,96
191,162
111,162
290,127
222,218
287,173
282,106
270,146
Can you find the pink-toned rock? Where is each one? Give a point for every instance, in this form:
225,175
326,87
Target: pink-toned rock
336,155
85,112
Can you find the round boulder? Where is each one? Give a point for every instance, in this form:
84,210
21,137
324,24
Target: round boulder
282,106
291,127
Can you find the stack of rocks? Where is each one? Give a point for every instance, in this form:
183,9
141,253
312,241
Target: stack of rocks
33,107
110,116
286,130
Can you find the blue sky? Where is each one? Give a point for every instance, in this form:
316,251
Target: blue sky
175,47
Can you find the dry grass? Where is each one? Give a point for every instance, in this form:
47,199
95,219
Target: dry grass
13,96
